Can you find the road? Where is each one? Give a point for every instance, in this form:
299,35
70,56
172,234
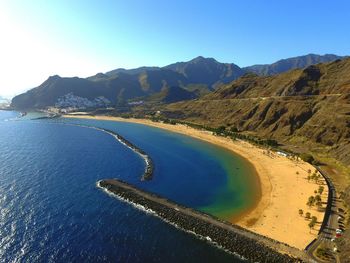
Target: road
330,223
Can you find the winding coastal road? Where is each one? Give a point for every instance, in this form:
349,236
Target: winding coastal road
330,223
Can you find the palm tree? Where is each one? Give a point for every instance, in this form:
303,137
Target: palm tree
317,177
318,198
307,215
320,189
313,177
310,201
301,212
309,204
311,225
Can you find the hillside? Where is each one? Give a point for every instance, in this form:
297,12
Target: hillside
306,108
284,65
117,89
199,76
172,94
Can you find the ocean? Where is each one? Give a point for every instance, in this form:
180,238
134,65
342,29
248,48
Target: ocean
52,211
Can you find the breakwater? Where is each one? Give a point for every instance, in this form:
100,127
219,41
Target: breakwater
148,174
149,168
231,238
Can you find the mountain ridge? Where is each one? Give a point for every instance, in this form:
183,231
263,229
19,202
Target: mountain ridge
283,65
303,107
200,74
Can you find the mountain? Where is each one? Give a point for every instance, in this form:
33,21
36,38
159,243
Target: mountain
199,76
308,108
117,89
291,63
207,71
131,71
172,94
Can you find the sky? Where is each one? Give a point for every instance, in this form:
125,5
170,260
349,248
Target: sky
84,37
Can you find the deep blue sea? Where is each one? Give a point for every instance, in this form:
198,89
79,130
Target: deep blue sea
52,211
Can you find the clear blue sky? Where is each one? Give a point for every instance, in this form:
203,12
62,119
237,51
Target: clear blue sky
81,38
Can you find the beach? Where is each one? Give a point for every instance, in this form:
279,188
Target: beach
284,186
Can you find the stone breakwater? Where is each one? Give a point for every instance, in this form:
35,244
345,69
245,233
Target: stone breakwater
148,174
231,238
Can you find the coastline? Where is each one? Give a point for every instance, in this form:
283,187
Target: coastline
283,184
231,238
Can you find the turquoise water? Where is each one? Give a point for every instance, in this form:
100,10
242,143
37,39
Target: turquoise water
51,210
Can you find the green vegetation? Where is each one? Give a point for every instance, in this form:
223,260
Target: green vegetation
320,189
310,201
317,198
321,252
311,225
301,212
307,215
221,131
307,157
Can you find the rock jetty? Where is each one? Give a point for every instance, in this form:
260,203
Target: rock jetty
148,174
232,238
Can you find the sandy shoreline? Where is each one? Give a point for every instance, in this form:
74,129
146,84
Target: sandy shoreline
284,186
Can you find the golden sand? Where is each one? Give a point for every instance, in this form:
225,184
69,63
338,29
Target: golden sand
284,186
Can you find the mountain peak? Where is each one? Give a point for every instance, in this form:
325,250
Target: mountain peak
54,77
201,59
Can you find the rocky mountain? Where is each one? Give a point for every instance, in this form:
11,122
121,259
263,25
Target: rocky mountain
290,63
131,71
207,71
199,76
171,95
117,89
305,107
